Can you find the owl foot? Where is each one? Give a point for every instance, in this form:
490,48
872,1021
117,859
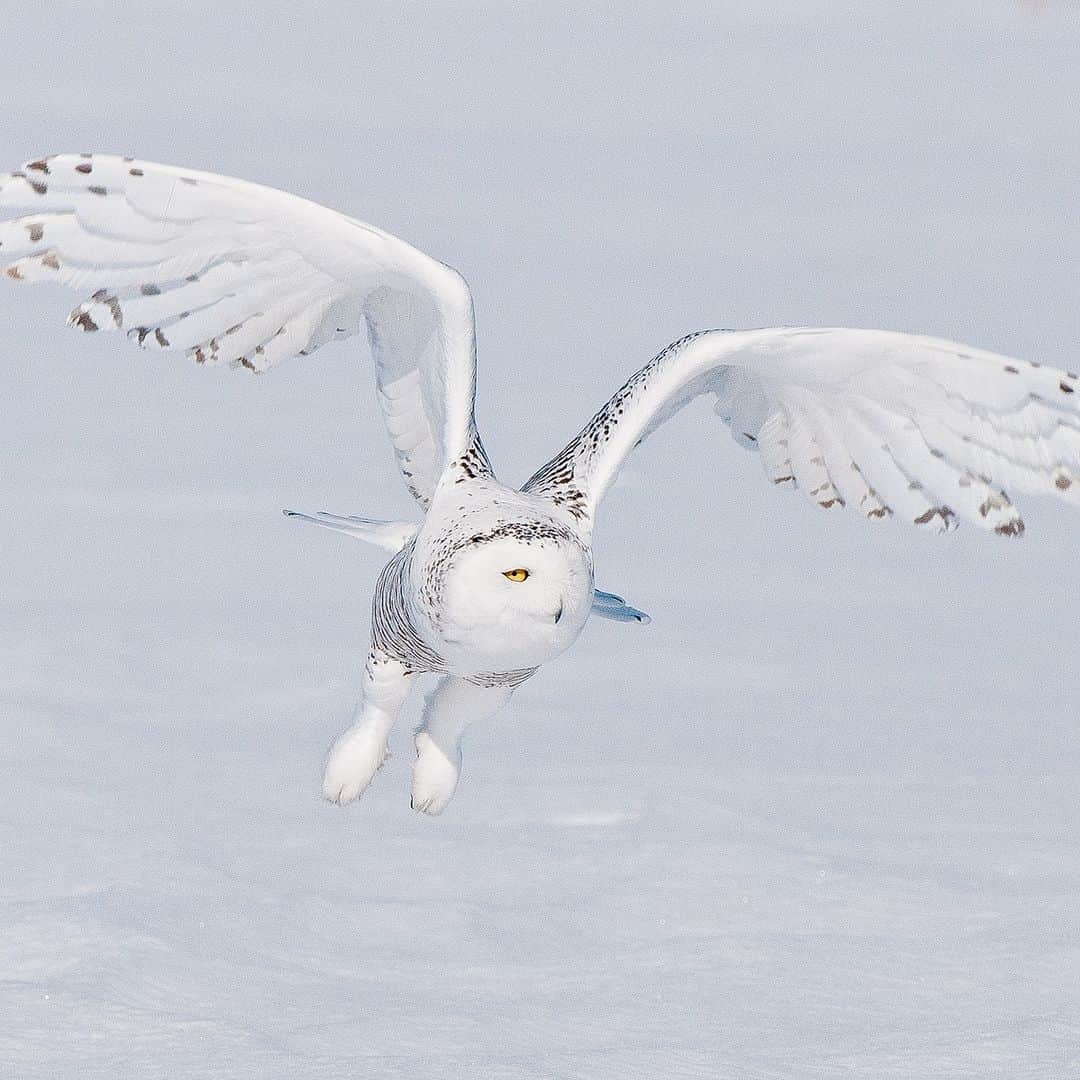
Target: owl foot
435,776
354,759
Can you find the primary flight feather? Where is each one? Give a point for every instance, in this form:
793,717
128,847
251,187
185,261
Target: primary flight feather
495,581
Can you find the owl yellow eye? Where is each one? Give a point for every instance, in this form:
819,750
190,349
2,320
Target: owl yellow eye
516,575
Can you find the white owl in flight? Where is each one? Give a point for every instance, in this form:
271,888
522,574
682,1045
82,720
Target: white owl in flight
494,581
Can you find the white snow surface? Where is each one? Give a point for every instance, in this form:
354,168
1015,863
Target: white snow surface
820,819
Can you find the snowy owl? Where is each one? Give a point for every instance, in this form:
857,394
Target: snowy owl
495,581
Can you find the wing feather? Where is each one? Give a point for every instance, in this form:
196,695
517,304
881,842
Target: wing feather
773,440
808,462
848,479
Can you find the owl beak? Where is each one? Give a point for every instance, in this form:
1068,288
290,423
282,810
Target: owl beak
558,614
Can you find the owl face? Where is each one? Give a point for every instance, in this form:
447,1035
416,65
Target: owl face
514,596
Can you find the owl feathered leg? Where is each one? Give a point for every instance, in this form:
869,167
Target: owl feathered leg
360,750
448,711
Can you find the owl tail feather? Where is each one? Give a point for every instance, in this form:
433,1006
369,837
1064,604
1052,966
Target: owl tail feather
609,606
392,536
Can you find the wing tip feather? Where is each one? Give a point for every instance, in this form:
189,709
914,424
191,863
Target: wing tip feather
81,319
1014,527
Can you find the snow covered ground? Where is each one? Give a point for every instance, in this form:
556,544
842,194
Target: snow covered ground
820,819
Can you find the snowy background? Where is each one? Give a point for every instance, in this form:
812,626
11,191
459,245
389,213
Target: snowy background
820,819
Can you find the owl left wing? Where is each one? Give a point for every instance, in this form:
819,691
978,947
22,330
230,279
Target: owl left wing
887,424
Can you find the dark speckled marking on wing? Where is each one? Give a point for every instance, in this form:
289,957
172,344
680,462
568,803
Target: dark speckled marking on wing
564,479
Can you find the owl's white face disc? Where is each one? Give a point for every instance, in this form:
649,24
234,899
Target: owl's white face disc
512,603
499,583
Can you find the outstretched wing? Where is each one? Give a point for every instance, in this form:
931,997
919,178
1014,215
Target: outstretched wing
236,273
885,423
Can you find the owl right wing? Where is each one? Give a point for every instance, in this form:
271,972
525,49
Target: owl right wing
231,272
